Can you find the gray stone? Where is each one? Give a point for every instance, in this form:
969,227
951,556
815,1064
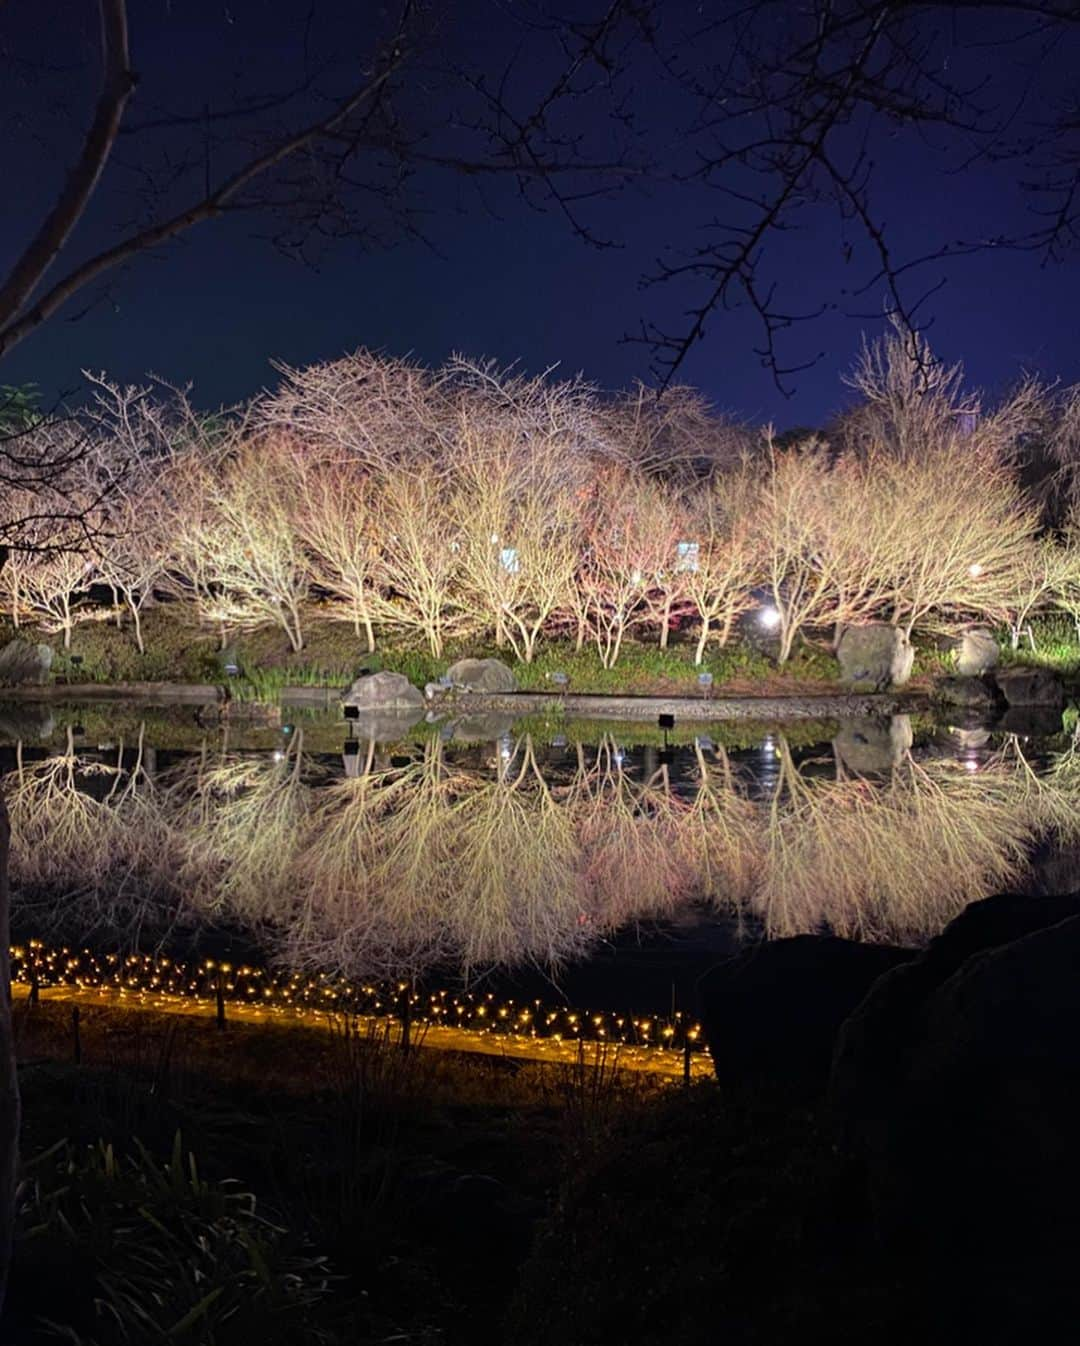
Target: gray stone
874,657
383,691
21,662
975,694
976,652
1031,687
873,747
482,675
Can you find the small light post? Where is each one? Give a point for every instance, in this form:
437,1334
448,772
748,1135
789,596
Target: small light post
705,682
561,681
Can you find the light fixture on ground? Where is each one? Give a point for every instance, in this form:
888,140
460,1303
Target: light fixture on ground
705,682
561,680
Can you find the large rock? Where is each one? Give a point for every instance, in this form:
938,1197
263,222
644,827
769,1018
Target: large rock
1031,687
22,662
977,695
873,747
383,691
482,675
976,652
952,1081
874,657
771,1013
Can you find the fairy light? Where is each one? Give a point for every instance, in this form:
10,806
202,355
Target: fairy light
158,982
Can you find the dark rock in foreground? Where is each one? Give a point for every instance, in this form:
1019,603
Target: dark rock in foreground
771,1013
956,1088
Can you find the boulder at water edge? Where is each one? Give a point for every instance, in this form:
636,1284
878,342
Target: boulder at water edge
771,1013
482,675
21,662
874,657
976,652
383,691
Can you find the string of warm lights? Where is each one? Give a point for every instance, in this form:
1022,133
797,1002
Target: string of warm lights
150,979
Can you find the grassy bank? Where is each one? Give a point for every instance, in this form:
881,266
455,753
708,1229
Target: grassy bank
178,650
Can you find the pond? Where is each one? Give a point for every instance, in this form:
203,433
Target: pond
574,864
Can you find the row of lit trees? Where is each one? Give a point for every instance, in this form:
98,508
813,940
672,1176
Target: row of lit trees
472,503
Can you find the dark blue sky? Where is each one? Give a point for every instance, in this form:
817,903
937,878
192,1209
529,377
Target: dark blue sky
513,285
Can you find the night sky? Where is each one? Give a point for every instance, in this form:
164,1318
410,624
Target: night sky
502,281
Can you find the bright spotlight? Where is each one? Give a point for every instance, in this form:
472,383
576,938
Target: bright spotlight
975,569
769,617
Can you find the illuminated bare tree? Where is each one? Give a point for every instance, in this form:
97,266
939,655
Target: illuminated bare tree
967,533
720,563
792,522
237,552
421,555
630,547
1037,576
337,519
51,582
520,537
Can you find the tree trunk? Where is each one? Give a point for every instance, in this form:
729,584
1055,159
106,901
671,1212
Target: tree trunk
699,653
9,1077
665,625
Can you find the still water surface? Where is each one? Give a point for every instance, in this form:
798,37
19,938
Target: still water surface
598,864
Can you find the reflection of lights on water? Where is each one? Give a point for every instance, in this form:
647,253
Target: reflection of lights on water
768,745
971,763
506,747
704,742
559,741
769,617
620,757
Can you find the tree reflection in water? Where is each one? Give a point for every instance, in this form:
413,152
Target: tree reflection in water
436,861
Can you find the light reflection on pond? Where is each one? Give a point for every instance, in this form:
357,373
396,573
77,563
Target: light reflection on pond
528,848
